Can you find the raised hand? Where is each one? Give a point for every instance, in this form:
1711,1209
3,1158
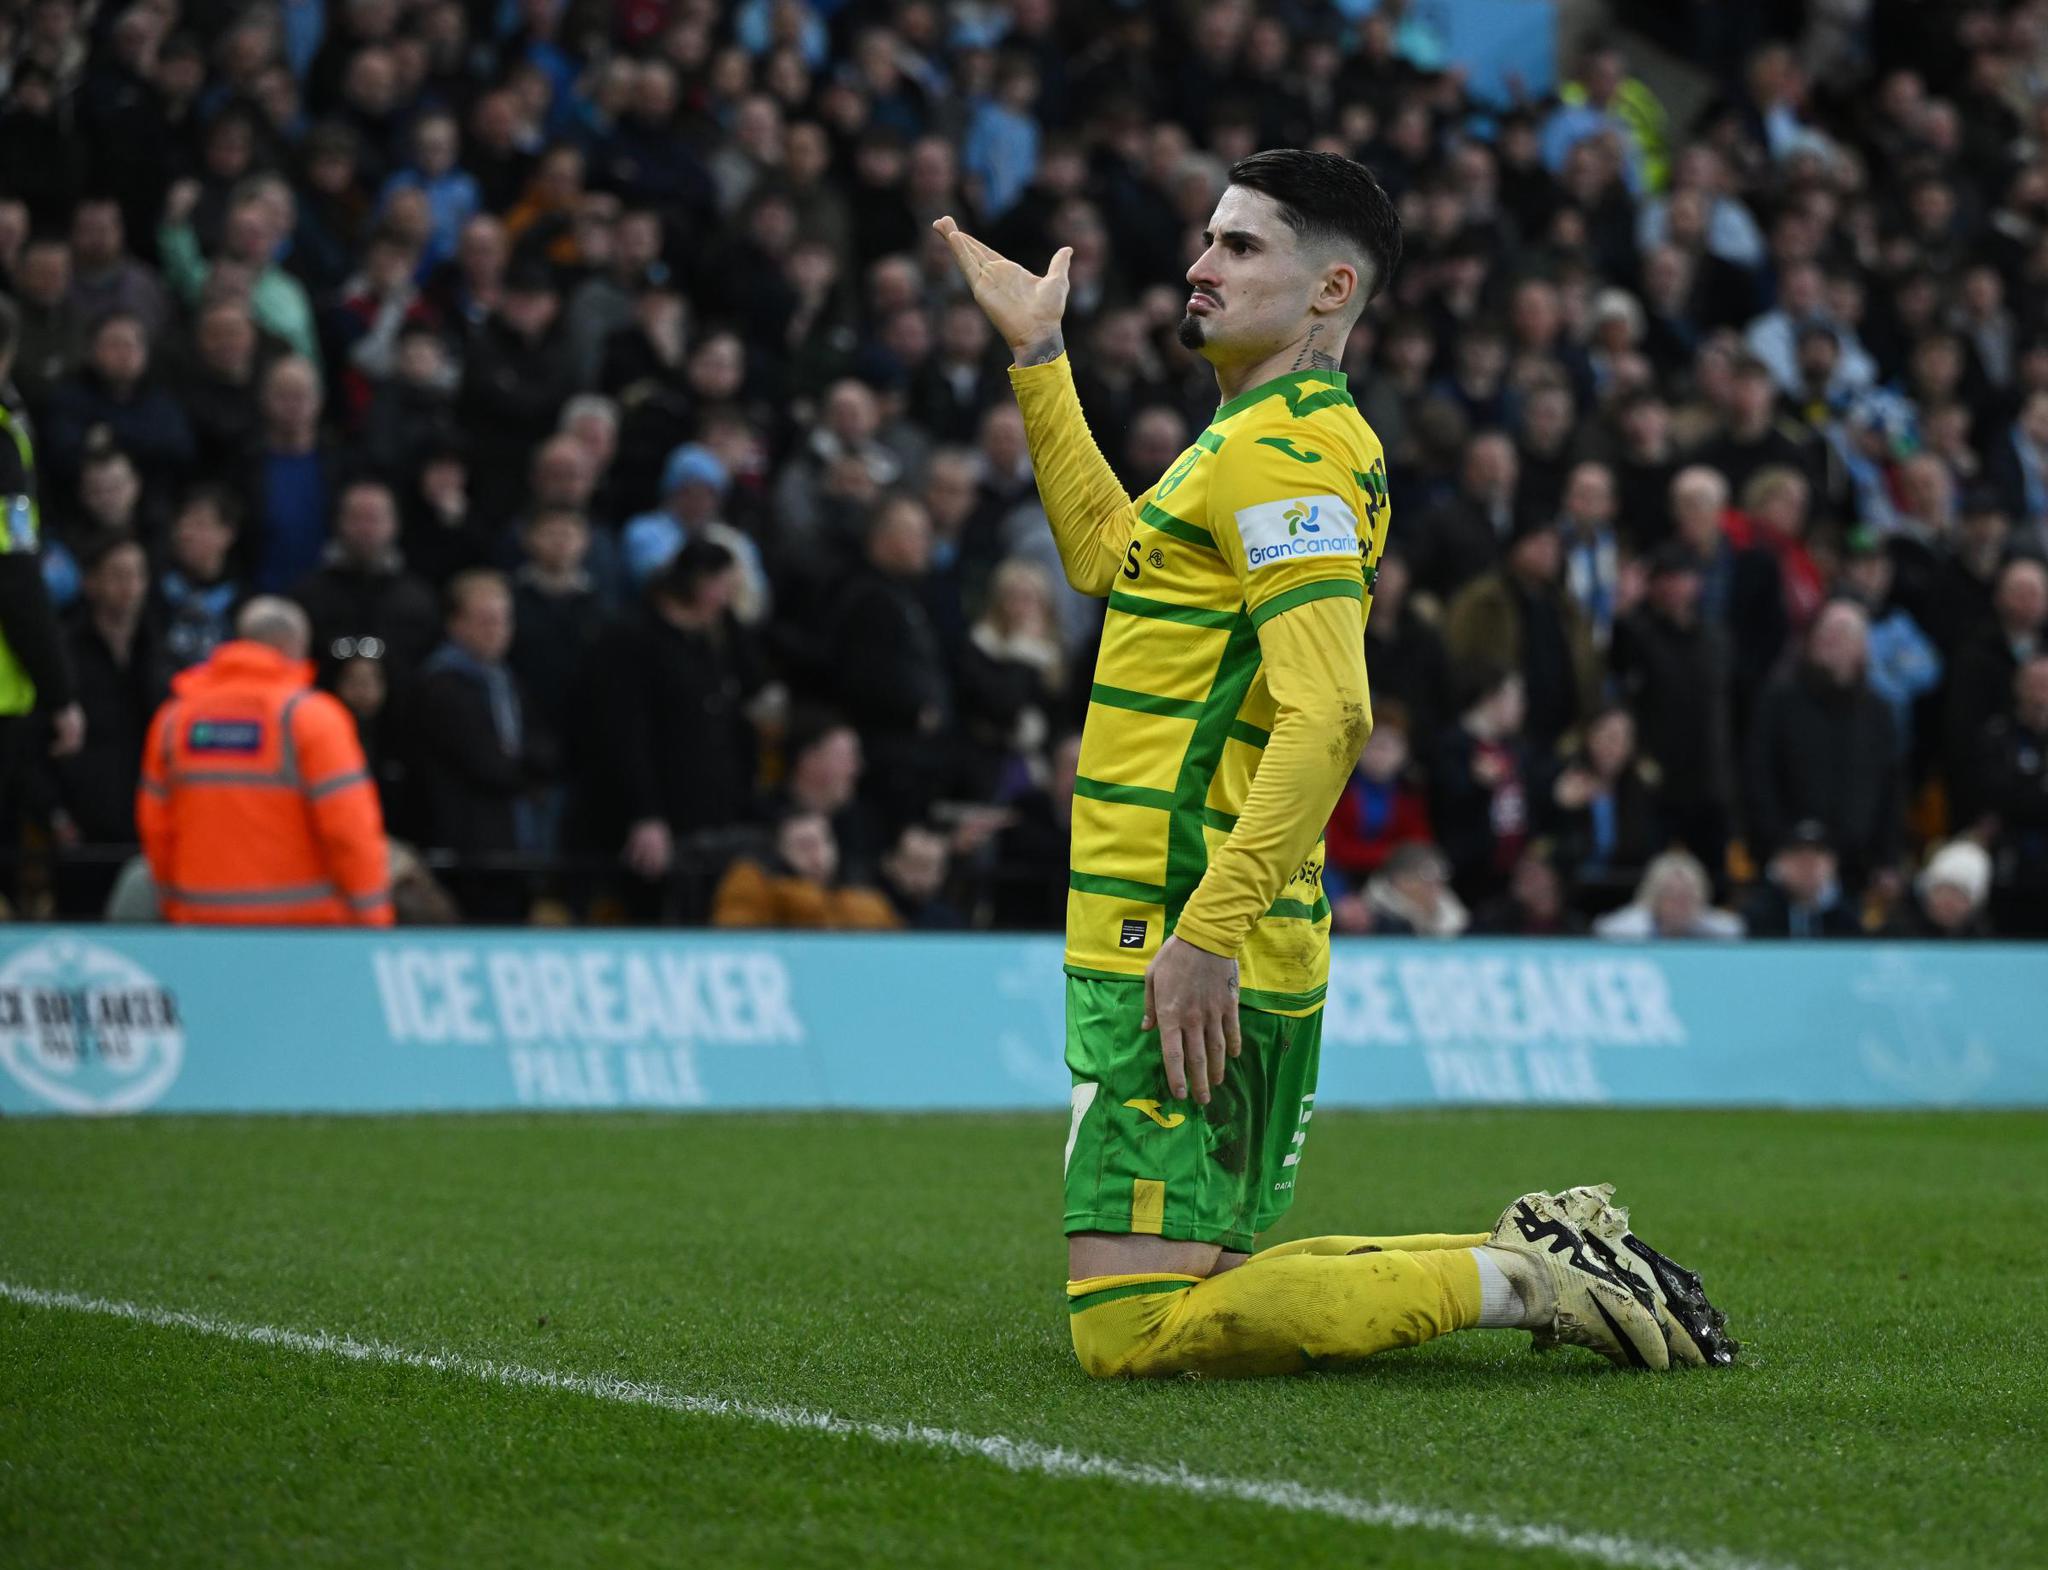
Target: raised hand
1025,308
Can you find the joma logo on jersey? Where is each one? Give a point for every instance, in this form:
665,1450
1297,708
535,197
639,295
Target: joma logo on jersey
1296,528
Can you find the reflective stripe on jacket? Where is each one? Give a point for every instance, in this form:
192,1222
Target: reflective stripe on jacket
256,805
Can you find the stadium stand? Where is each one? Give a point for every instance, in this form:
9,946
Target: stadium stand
1718,449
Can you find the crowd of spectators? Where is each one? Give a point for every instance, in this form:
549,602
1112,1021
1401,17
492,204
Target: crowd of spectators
591,376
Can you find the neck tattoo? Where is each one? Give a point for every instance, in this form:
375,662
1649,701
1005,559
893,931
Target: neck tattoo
1311,358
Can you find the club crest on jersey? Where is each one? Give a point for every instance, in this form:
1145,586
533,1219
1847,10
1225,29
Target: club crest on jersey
1297,528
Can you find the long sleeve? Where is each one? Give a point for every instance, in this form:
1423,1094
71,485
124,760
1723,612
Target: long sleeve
1091,515
1314,659
347,817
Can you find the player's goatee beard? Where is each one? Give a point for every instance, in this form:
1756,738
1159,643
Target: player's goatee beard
1191,334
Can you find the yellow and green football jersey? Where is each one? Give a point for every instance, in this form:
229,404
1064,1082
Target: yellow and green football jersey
1281,501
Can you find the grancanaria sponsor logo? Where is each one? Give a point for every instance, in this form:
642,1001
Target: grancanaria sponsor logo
1297,528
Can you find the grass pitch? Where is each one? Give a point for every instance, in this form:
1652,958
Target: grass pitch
1884,1273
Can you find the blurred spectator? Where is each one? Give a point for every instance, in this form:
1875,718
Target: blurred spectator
255,806
363,687
2014,783
258,219
665,748
1601,814
1479,785
797,886
515,378
473,761
106,280
556,616
114,399
1985,666
1671,667
441,531
1822,748
1773,521
197,591
1405,653
1533,905
122,675
292,476
914,876
1012,673
694,487
361,598
53,329
1670,902
1382,807
1948,896
1801,896
1519,618
889,669
1409,897
1462,536
219,388
823,774
1593,571
1905,665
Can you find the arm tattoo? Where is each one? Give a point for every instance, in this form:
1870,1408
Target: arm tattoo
1044,350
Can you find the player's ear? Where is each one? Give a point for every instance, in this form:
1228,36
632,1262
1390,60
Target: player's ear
1342,287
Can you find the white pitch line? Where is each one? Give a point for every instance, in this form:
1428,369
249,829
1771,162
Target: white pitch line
1016,1455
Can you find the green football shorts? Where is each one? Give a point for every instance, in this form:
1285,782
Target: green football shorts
1139,1161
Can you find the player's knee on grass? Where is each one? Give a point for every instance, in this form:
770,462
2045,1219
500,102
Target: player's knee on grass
1118,1322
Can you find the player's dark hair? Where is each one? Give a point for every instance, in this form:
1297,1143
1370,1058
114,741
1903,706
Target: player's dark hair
1331,199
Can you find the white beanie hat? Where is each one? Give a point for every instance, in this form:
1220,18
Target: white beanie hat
1963,865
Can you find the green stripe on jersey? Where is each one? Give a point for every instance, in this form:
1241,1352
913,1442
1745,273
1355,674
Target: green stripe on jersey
1143,702
1179,528
1166,610
1297,910
1187,853
1088,1300
1302,594
1123,795
1275,1002
1333,398
1116,888
1210,441
1212,818
1249,734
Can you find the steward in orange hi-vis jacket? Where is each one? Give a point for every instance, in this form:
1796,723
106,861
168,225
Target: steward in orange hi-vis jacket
256,805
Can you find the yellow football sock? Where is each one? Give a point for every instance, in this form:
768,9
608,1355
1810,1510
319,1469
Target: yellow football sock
1415,1243
1290,1314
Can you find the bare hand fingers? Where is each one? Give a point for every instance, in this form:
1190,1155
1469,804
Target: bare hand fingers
1232,1038
1197,1056
1219,1052
1170,1056
1151,1017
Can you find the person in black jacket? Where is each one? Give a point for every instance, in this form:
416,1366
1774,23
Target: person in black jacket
1405,653
362,600
1479,785
1822,747
122,676
1671,667
2013,784
667,749
1601,814
472,765
889,667
1801,895
516,375
1980,684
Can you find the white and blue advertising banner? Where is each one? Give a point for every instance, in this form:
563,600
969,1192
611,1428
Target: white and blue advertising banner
111,1019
